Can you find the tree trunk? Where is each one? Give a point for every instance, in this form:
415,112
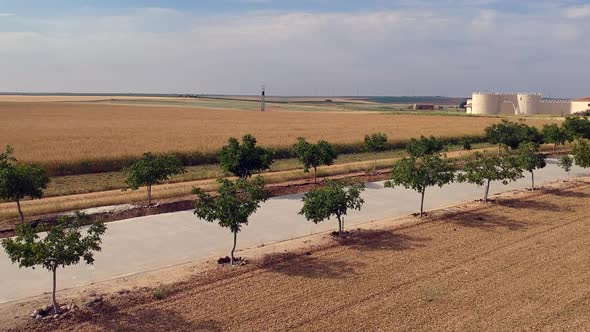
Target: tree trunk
20,212
55,305
422,204
555,147
149,190
340,225
485,196
375,165
533,180
233,249
315,175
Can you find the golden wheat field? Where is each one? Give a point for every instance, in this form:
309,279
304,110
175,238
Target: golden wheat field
54,132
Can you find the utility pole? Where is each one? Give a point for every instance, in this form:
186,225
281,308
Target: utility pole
263,99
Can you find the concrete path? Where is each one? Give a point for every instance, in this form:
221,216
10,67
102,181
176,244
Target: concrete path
147,243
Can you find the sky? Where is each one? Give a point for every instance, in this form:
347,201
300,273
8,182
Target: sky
296,47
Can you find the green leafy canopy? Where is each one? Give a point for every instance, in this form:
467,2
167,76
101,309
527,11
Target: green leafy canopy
552,133
512,134
582,153
528,157
419,174
63,245
18,181
333,200
484,168
465,143
6,158
314,155
576,127
152,169
235,203
424,146
376,142
244,159
566,162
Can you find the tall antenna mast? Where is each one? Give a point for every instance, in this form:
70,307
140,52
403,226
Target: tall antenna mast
263,99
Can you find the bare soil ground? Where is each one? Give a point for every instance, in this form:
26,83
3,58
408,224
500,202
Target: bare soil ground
520,263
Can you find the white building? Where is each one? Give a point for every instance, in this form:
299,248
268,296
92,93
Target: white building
517,104
581,105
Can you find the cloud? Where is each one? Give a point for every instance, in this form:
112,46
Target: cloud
7,15
578,12
404,51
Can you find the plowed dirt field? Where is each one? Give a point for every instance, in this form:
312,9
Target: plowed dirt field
520,263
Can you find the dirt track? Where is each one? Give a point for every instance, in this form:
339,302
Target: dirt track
514,265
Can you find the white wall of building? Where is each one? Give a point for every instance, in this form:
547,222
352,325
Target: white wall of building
518,104
556,107
580,106
485,103
529,104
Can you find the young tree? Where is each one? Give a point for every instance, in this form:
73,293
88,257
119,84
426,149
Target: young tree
531,134
482,169
151,170
333,200
235,203
314,155
512,134
552,133
419,174
465,143
582,153
6,158
424,146
566,162
64,245
18,181
376,143
528,158
242,160
576,127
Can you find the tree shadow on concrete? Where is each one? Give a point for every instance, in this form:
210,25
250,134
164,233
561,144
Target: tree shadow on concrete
111,318
308,266
373,185
486,221
363,239
531,204
294,197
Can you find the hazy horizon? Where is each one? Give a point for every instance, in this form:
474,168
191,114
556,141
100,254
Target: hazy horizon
295,47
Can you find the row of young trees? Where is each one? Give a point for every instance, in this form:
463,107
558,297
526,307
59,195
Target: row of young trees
512,134
21,181
425,167
236,200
